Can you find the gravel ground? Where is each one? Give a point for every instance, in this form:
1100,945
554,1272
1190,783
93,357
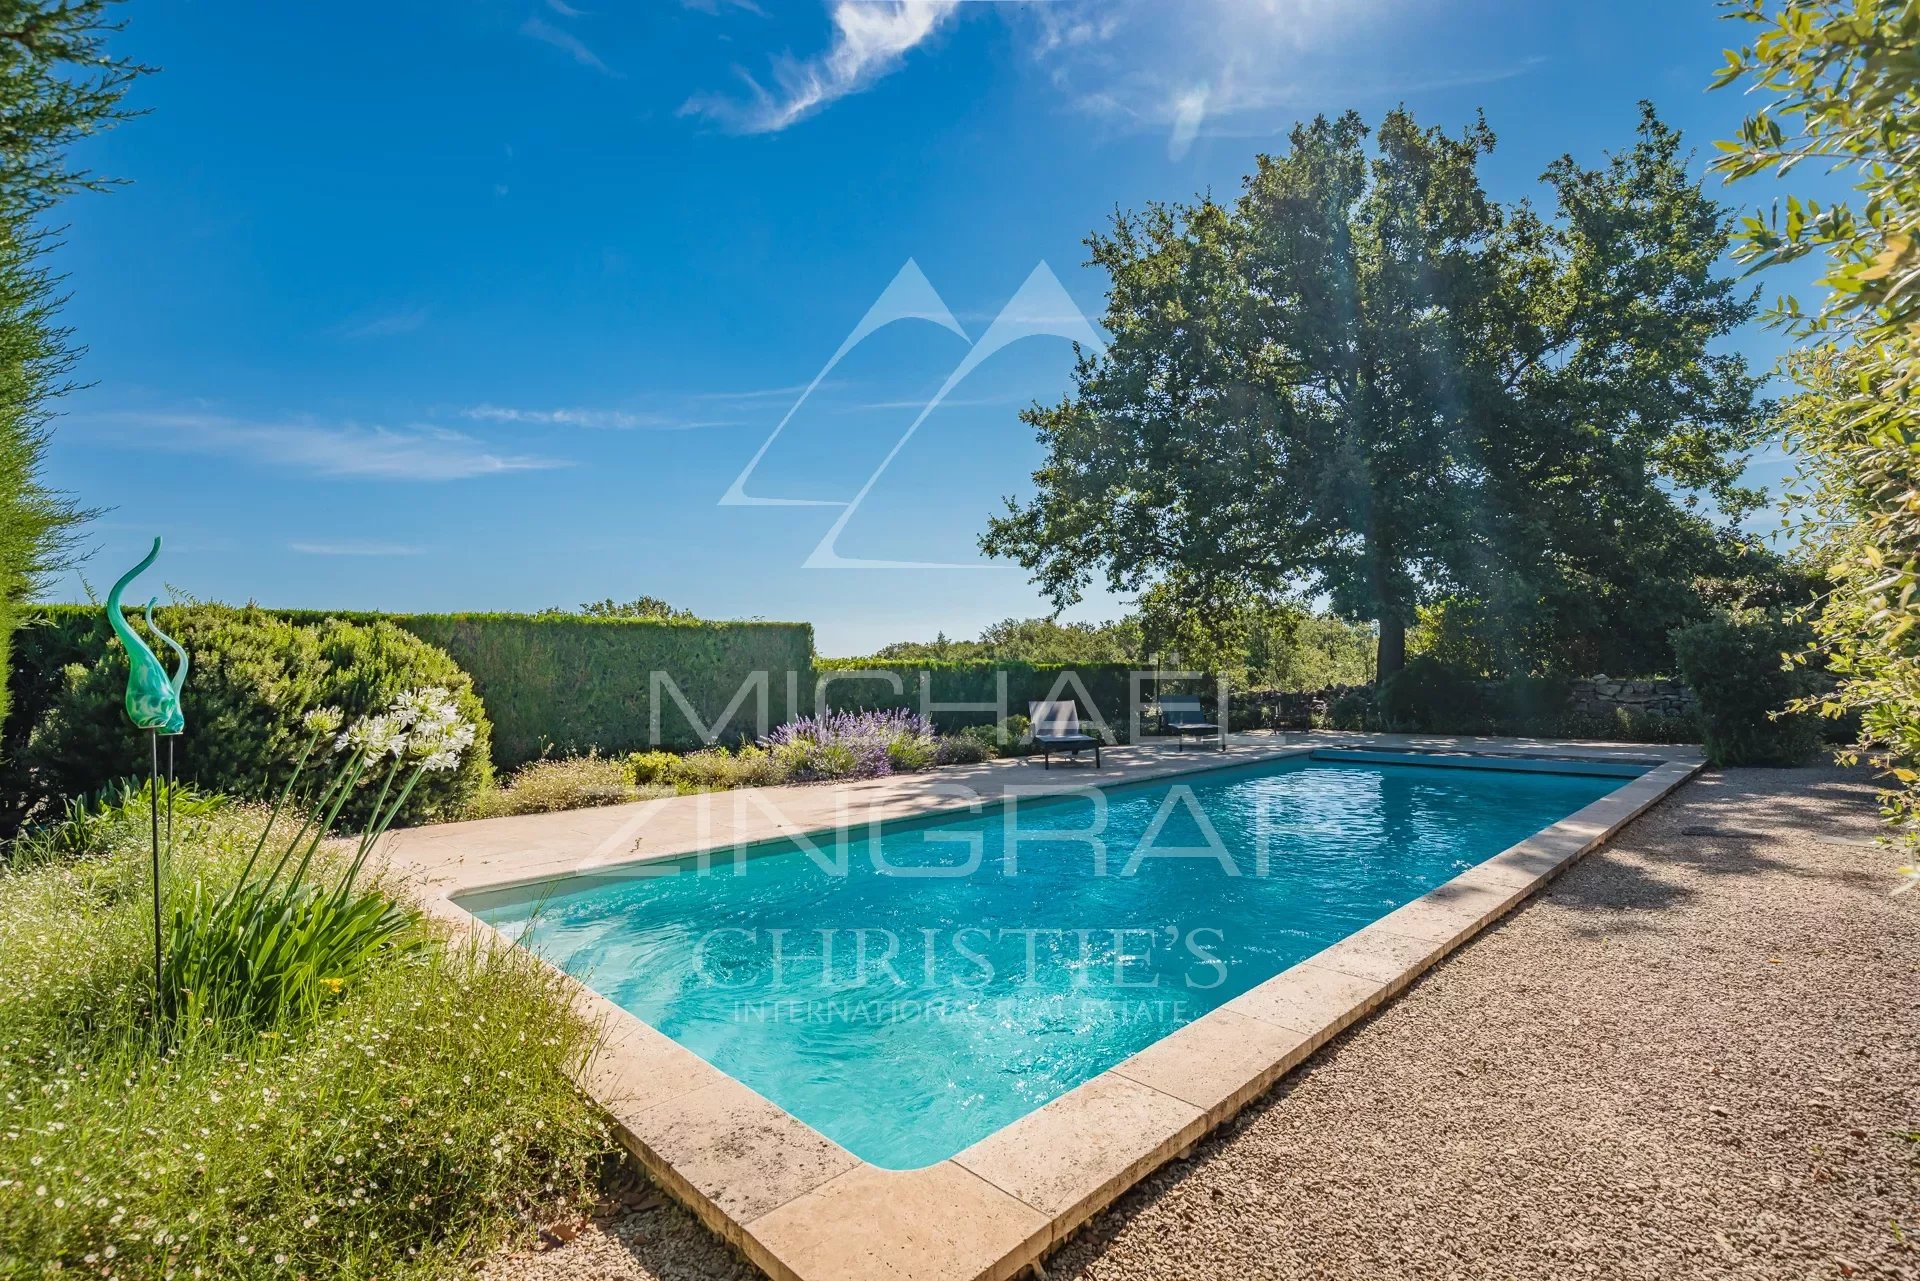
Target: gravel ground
1697,1054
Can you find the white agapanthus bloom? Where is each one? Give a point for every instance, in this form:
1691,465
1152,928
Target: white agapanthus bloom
421,725
439,735
421,705
377,736
441,762
323,720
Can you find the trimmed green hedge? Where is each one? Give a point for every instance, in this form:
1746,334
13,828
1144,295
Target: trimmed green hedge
1104,685
565,684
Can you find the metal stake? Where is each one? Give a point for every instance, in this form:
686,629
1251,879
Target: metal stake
170,740
159,984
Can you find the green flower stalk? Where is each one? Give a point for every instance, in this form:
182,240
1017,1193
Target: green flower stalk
270,951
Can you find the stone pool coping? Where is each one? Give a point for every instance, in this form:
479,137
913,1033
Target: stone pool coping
802,1208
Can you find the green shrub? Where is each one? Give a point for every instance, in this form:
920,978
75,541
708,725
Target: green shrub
806,761
253,675
1249,716
1630,725
908,753
1735,665
1008,738
1356,709
92,822
968,747
552,684
1530,704
1429,696
572,783
987,737
411,1129
644,768
718,769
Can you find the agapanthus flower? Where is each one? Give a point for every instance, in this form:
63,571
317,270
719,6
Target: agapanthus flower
426,706
323,720
436,740
376,736
438,735
441,761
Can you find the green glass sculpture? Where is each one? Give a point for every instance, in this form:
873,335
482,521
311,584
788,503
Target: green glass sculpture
153,704
153,700
177,723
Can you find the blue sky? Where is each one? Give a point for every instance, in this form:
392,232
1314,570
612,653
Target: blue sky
485,304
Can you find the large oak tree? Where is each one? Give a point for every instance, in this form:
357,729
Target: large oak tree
1367,379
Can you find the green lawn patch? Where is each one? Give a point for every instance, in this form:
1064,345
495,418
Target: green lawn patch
426,1115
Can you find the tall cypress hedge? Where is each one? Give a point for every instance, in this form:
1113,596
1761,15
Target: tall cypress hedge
948,683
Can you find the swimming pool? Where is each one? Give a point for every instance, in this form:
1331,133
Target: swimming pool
909,990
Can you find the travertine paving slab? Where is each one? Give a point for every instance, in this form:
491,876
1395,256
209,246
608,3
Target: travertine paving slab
1377,953
635,1068
943,1223
736,1150
1079,1151
1218,1062
1450,913
1311,999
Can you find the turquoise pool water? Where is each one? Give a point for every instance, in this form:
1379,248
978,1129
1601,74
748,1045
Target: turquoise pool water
911,994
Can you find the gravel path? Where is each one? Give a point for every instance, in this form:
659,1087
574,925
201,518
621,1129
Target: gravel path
1697,1054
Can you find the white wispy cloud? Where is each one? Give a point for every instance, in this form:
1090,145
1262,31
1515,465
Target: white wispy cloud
1212,68
386,324
338,450
540,29
1189,111
751,394
870,38
355,547
1189,68
619,419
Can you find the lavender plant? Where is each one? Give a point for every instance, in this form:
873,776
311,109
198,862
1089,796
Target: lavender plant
868,744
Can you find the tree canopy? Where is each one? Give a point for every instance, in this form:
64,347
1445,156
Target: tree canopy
1029,640
639,607
1841,85
1368,381
1258,643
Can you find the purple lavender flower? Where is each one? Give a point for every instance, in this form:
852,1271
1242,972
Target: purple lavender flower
864,736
